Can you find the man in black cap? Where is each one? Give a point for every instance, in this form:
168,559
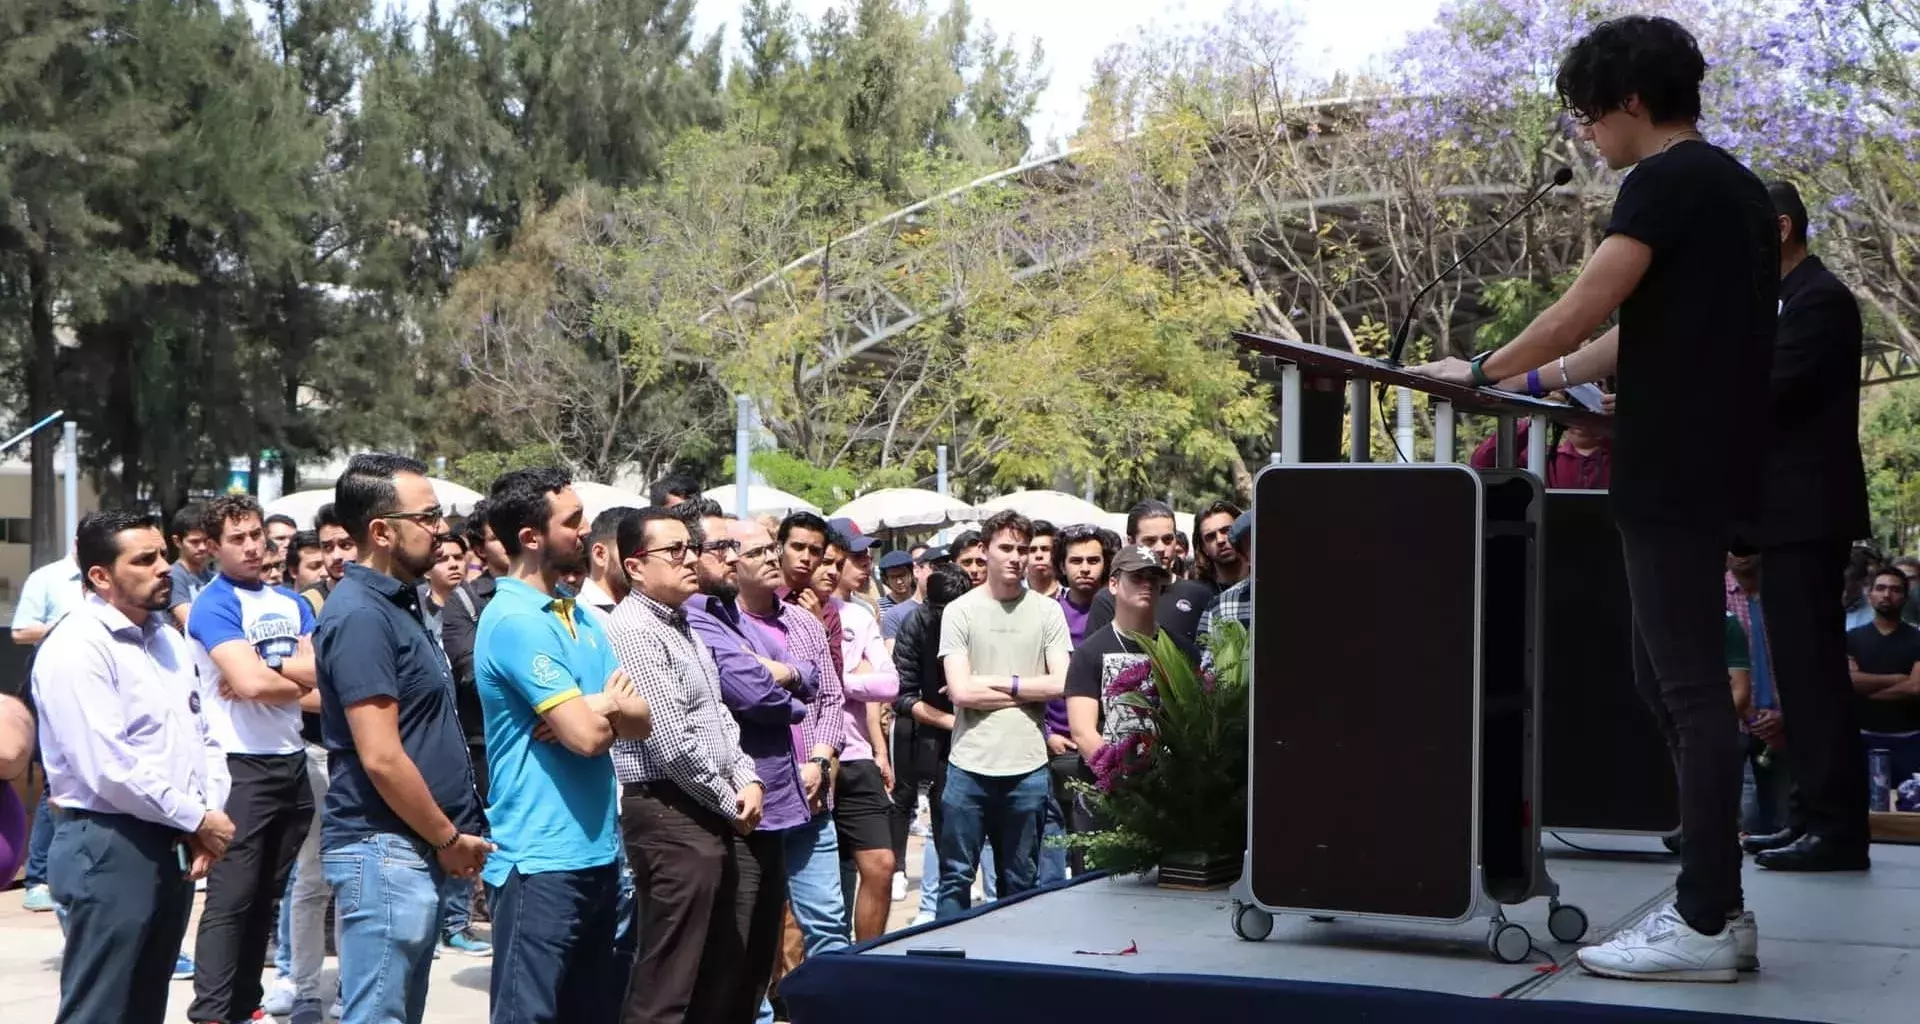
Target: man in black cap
896,579
898,615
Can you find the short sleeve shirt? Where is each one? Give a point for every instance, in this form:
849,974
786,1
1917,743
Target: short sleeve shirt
1886,654
370,642
549,808
1100,659
1019,637
1696,339
187,584
1737,656
271,620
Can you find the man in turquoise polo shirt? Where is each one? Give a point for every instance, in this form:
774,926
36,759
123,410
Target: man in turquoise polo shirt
553,700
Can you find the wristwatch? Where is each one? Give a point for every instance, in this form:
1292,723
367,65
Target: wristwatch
824,764
274,661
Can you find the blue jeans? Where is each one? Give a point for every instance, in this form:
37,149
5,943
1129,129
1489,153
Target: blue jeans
386,893
553,948
812,852
456,906
283,932
41,839
1003,812
1053,859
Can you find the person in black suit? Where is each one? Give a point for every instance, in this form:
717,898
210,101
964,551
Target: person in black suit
1813,505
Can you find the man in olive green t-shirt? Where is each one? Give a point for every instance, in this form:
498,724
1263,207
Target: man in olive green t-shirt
1004,651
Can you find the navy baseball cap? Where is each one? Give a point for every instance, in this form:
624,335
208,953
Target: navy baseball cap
857,543
936,553
895,560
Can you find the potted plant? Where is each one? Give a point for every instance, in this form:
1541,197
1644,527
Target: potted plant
1173,793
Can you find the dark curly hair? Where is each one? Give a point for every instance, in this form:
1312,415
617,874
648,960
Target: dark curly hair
1655,59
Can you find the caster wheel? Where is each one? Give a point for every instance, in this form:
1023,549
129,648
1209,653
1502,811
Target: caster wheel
1567,923
1251,923
1509,943
1316,919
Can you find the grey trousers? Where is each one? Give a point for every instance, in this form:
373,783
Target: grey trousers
127,905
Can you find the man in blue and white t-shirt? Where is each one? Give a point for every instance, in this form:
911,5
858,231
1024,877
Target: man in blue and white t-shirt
255,673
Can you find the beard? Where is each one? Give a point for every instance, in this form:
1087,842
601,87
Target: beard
416,566
565,563
160,598
725,590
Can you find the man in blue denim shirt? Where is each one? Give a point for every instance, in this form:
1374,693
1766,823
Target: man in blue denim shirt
401,813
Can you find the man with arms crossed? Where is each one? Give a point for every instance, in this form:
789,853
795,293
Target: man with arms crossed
256,667
1691,261
554,701
1005,653
401,814
689,796
134,772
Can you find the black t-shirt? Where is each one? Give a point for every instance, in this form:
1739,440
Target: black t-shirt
1696,339
1886,654
1178,612
1102,655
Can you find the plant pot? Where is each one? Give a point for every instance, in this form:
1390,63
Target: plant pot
1199,871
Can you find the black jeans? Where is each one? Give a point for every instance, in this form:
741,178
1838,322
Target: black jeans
272,807
127,906
1677,582
1807,640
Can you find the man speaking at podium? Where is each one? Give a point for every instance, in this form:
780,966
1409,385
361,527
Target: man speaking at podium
1691,262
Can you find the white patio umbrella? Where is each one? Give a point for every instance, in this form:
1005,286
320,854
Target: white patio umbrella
905,508
302,506
761,500
597,498
1056,507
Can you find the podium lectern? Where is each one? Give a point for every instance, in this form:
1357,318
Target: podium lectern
1405,618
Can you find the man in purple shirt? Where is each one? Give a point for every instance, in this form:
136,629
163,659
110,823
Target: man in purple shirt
767,694
812,848
1080,557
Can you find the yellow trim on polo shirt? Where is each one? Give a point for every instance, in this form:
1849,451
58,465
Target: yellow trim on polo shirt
556,700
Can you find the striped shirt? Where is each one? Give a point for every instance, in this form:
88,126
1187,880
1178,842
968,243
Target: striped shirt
695,742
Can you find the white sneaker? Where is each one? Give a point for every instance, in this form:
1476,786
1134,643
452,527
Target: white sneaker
1746,941
899,886
279,998
1664,948
922,918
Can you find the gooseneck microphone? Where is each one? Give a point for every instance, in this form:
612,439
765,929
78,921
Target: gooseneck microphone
1560,177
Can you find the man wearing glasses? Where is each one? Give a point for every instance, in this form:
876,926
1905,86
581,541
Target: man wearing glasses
401,814
690,797
767,686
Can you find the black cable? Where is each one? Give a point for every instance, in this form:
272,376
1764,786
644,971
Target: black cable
1380,400
1538,975
1589,849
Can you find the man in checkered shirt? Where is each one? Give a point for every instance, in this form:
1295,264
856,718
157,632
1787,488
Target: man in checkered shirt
689,795
1235,602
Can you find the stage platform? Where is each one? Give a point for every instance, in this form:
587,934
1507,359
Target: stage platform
1843,948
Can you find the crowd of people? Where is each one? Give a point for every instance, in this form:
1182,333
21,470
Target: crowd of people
665,751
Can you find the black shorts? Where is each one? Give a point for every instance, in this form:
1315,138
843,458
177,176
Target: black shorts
862,807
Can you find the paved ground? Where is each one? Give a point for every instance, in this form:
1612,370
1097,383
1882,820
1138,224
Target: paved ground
30,964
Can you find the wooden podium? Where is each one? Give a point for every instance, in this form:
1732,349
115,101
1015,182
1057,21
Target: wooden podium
1434,680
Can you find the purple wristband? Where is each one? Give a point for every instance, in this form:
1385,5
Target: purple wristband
1533,383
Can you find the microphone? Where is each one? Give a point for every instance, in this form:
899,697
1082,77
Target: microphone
1560,177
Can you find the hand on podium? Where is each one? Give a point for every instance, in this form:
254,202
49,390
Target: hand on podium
1450,370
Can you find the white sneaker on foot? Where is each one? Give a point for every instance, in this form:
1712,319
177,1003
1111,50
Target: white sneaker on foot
899,886
1664,948
1746,941
921,918
278,1001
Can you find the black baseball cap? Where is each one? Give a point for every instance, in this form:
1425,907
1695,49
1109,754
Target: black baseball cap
895,560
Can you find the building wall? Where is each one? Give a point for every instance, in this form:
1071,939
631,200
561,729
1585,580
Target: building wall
16,504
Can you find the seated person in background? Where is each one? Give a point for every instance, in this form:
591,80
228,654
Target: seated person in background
1583,460
1885,658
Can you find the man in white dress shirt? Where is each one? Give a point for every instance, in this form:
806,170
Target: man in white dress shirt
136,774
